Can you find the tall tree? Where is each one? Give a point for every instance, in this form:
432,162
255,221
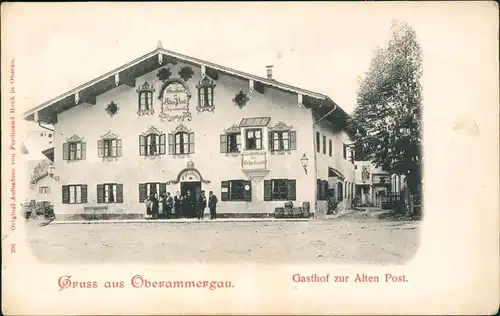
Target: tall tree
387,119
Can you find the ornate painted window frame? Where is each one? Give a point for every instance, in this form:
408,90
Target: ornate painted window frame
181,128
110,136
75,139
233,129
152,130
280,127
206,83
146,88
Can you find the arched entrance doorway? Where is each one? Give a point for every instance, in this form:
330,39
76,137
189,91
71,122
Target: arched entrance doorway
190,179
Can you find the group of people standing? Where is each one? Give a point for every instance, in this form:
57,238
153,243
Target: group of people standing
164,206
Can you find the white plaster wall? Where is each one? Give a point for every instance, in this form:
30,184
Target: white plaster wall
91,121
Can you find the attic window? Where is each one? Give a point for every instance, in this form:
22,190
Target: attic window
254,121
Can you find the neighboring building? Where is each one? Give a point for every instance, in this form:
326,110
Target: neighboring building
372,183
169,122
39,185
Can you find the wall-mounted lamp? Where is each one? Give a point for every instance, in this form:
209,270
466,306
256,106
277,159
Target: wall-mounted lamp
304,161
51,170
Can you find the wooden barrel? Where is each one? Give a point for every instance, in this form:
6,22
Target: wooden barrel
279,212
289,204
306,206
288,212
297,212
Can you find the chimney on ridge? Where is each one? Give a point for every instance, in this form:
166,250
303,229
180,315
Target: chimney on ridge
269,72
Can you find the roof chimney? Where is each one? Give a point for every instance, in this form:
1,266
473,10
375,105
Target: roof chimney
269,72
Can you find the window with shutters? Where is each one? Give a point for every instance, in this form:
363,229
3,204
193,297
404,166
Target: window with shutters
236,190
181,141
253,139
109,146
74,194
152,143
230,140
280,190
150,188
110,193
282,138
74,149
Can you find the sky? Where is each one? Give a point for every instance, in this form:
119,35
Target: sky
324,47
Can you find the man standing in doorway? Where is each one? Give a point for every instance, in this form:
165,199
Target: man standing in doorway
212,204
202,203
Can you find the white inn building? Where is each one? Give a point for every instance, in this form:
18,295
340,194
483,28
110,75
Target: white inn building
171,122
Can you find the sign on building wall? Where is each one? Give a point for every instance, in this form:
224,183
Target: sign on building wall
175,96
253,161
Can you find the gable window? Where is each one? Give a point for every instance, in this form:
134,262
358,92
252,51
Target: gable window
253,139
44,190
110,193
152,143
318,145
236,190
109,146
230,140
205,94
282,138
280,190
146,189
145,99
181,141
74,194
74,149
330,147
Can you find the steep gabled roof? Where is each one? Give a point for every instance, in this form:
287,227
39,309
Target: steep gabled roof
160,57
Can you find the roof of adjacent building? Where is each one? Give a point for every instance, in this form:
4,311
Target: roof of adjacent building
161,57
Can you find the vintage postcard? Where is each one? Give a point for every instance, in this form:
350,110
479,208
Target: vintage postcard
250,158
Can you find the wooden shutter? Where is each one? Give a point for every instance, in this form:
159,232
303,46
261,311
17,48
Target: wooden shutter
223,143
100,149
84,193
163,188
191,143
118,147
119,193
171,144
291,190
84,151
270,140
325,189
268,190
100,193
65,194
293,140
340,191
224,191
142,192
162,144
247,195
142,145
65,151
